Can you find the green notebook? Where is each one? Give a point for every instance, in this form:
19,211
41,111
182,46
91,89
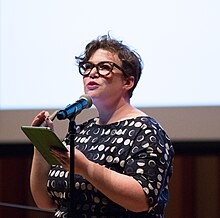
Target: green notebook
43,138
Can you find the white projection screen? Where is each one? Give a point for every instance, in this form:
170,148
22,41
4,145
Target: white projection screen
177,40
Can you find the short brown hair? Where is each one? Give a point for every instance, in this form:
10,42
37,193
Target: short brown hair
132,64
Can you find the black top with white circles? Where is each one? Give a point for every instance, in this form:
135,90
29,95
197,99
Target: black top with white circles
137,147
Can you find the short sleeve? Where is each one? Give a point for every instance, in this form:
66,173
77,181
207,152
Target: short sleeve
150,160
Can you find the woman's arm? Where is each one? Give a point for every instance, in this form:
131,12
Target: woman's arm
39,172
122,189
38,182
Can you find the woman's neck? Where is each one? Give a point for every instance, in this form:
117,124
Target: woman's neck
117,113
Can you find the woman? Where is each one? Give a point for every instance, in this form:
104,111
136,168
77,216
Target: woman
123,158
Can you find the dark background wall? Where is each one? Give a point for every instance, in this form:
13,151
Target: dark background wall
194,187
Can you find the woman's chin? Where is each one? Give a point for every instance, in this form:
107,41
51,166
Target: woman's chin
92,93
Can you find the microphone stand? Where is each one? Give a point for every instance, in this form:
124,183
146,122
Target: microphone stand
71,112
72,132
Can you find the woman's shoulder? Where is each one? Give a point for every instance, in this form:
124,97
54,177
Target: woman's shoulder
144,119
90,123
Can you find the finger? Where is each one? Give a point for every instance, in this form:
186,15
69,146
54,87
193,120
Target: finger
47,114
58,149
65,165
64,160
49,122
59,152
39,119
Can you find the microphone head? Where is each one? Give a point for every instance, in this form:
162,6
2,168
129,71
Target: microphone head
72,110
88,99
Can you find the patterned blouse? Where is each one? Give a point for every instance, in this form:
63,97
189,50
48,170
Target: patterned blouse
137,147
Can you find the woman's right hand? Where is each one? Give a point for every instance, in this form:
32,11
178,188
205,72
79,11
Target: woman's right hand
41,117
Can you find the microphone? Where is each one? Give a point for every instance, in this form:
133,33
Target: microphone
85,101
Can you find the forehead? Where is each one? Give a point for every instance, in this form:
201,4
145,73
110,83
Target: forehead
104,55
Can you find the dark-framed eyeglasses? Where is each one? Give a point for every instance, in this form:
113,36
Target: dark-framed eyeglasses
103,68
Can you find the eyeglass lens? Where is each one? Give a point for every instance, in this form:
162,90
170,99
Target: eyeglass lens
103,68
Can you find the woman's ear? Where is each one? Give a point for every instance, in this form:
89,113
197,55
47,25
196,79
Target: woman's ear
129,82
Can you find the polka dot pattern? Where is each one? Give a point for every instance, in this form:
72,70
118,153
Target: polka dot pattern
137,147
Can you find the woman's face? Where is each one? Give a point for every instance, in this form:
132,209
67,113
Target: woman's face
108,87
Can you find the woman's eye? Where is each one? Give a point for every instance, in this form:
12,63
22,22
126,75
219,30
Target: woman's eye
87,66
105,67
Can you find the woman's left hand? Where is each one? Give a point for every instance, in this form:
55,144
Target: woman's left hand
80,161
62,156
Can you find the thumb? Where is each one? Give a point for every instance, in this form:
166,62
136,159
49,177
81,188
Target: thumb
49,123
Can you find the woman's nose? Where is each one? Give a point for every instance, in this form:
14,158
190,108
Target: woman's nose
94,73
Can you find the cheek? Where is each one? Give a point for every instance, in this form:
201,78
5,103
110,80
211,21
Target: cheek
84,84
84,81
117,82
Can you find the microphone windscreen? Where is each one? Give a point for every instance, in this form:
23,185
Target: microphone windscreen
88,99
